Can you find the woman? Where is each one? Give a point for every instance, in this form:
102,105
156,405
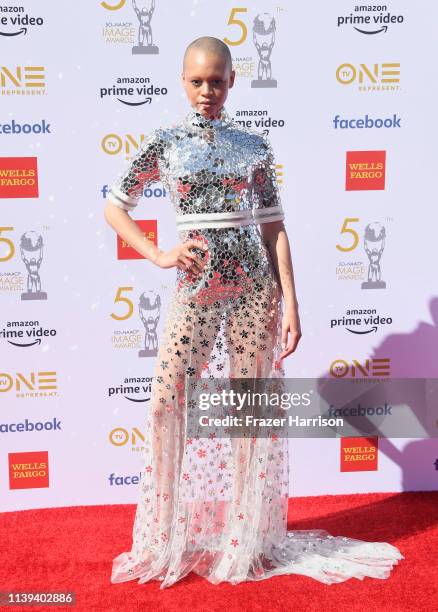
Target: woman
218,506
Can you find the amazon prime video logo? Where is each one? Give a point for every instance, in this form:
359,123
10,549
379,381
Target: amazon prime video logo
133,91
16,21
369,19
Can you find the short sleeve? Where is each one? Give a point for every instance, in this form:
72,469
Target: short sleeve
267,202
141,171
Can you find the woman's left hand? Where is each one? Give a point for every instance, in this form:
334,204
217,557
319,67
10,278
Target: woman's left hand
290,331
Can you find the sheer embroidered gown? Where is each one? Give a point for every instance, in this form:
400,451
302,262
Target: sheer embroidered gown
218,507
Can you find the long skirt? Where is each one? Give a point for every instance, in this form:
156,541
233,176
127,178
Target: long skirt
218,506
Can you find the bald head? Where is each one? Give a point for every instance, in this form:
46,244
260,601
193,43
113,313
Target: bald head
210,44
207,75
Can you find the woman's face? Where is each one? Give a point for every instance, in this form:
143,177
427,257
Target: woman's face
206,79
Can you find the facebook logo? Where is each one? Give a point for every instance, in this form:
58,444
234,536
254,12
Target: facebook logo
366,122
15,127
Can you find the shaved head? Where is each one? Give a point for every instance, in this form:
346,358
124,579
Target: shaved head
207,74
210,44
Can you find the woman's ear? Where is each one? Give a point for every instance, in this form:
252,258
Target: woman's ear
232,77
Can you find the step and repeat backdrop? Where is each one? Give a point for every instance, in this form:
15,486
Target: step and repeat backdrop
346,93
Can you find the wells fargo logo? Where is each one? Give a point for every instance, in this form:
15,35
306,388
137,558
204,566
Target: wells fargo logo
29,470
35,384
121,437
359,454
22,80
18,177
365,170
373,77
379,366
149,229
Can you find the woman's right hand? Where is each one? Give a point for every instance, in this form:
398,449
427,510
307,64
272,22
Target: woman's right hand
182,257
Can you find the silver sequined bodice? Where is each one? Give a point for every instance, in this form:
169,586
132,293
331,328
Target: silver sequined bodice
222,184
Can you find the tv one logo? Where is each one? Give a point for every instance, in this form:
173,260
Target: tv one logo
113,144
369,368
33,382
121,437
20,78
377,76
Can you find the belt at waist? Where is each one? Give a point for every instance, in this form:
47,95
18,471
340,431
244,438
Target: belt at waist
234,218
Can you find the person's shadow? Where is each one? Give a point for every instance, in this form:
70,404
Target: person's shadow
413,358
392,519
413,382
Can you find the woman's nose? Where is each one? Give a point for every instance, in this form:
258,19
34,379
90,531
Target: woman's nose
206,89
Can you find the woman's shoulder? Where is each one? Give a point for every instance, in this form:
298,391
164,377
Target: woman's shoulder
166,134
258,141
251,133
162,135
156,138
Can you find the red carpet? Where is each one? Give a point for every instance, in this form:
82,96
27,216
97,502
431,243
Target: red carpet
73,548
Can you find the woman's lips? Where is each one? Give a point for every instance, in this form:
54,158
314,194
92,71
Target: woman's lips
208,109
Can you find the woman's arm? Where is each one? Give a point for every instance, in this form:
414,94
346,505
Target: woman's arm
180,256
128,229
275,237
